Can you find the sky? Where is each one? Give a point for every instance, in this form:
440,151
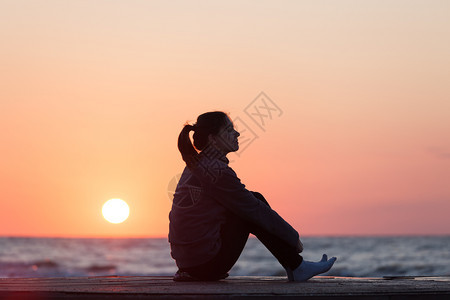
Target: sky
353,96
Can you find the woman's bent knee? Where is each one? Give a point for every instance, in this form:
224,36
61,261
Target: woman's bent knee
260,197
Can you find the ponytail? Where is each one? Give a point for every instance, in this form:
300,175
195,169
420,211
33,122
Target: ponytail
188,152
207,124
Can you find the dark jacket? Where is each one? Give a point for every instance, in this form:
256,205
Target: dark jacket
205,195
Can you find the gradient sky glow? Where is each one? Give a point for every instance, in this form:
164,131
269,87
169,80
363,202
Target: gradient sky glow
93,95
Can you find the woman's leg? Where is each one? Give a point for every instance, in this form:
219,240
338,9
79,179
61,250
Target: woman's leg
296,268
286,255
234,235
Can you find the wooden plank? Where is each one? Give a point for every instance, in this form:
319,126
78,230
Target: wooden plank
246,287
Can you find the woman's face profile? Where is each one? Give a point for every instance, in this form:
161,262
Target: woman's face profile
227,138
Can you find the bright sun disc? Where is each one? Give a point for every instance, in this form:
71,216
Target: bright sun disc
115,211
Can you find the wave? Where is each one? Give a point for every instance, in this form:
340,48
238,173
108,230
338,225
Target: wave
49,268
101,268
45,264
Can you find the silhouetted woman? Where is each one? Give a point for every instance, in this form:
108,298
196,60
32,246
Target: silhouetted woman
213,213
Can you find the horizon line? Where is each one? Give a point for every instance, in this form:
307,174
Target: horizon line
251,236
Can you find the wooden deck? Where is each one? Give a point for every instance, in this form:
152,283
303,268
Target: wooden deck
248,287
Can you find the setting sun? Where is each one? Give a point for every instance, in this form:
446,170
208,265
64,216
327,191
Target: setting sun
115,211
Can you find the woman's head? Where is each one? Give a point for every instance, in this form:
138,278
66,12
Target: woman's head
212,128
208,124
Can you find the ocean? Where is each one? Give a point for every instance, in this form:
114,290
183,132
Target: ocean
357,256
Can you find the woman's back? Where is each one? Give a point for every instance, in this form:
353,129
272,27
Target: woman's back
195,221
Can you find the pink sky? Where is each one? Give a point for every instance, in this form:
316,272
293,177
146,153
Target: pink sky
94,94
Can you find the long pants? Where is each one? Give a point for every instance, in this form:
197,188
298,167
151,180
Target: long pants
234,236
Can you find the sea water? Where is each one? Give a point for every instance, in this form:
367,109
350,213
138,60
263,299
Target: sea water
357,256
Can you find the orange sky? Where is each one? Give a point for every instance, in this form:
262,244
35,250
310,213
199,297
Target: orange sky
93,95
